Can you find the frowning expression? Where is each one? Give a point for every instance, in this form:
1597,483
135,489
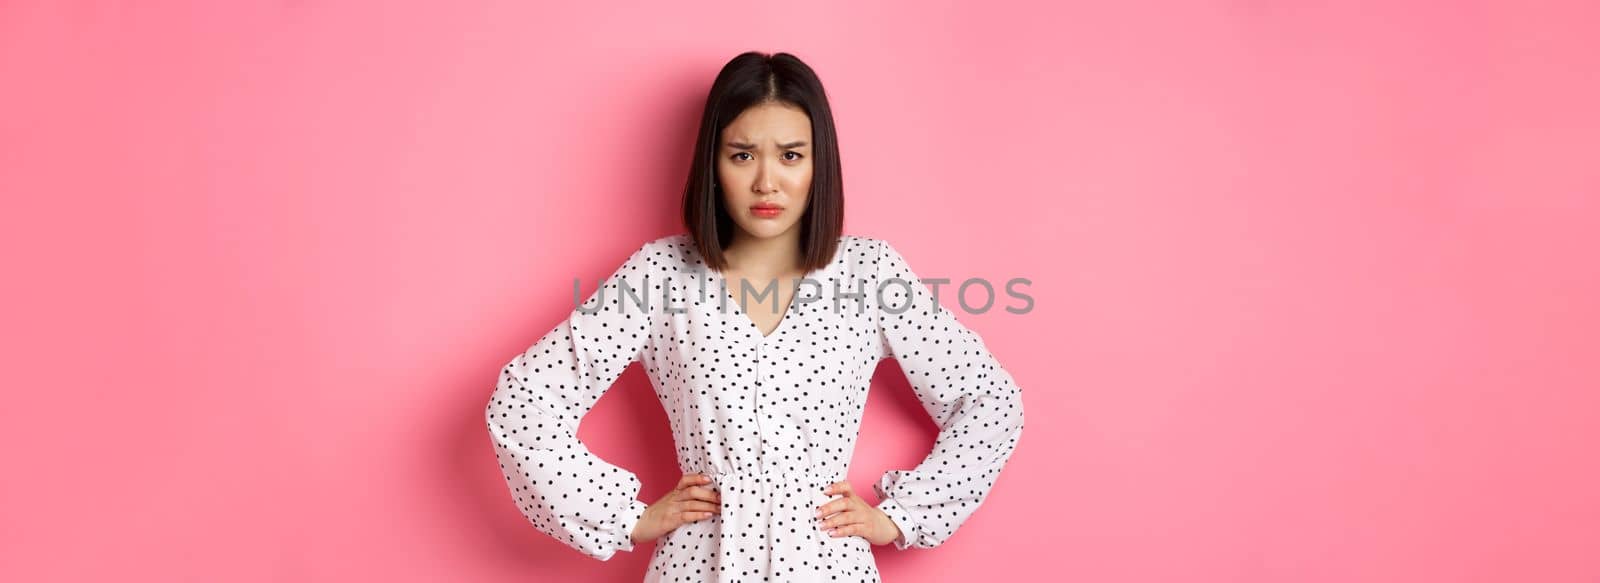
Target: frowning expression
764,168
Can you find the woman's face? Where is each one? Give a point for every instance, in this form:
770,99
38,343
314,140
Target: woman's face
764,160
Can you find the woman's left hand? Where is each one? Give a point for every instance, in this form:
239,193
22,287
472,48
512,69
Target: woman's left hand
852,516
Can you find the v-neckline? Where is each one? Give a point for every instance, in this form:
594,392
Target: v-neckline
788,311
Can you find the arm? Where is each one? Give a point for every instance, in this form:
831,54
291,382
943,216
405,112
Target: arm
542,394
975,402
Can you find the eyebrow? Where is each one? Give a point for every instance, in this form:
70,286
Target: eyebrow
744,146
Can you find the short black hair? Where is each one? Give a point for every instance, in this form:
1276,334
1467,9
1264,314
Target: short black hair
751,79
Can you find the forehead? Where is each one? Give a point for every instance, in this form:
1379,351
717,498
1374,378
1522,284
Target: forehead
768,123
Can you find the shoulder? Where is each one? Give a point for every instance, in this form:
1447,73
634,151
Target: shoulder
860,245
872,250
670,254
854,243
669,241
861,254
869,244
665,242
653,256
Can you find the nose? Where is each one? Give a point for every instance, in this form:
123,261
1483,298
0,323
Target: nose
764,183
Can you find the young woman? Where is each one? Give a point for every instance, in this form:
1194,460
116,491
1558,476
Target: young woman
764,384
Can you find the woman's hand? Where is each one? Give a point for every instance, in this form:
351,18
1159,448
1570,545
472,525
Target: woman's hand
689,501
852,516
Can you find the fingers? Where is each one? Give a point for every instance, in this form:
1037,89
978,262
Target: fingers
692,501
848,530
690,510
694,515
848,501
842,516
849,520
700,493
699,506
691,480
840,505
840,488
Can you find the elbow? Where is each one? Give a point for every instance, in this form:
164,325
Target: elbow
598,541
590,548
1018,420
926,539
1012,415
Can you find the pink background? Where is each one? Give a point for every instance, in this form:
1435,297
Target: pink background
1315,286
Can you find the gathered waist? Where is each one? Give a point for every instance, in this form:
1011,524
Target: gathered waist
775,475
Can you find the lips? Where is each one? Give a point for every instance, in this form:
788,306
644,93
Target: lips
766,207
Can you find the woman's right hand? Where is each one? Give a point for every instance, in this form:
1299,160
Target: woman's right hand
689,501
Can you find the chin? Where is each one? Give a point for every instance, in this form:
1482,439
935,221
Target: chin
763,229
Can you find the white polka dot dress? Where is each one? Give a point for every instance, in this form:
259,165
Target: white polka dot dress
772,419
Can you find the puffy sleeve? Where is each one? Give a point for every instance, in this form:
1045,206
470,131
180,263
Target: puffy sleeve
561,487
974,401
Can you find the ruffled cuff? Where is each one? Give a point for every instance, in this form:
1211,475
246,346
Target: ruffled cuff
629,518
902,519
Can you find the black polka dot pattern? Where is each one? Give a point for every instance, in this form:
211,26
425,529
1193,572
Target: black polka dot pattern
771,418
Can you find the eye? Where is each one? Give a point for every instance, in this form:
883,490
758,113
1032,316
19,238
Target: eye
736,156
797,155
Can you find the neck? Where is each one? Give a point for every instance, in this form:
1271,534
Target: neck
764,257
